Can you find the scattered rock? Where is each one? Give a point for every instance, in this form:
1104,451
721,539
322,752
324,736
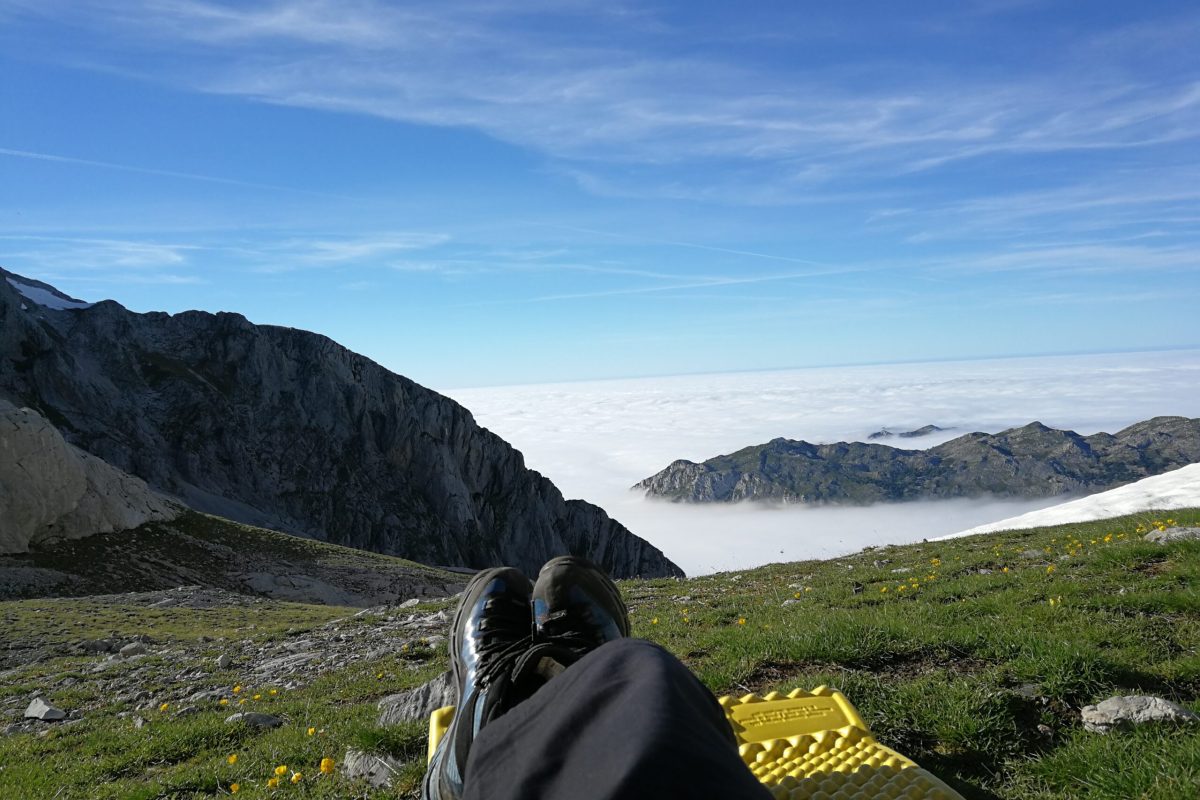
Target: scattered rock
40,709
1173,535
139,722
254,719
791,601
902,570
375,770
984,571
1032,554
409,603
96,646
224,661
1122,712
417,704
133,649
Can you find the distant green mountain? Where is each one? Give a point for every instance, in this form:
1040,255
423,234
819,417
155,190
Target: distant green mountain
1030,461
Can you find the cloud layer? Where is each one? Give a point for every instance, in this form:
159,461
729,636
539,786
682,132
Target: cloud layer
596,439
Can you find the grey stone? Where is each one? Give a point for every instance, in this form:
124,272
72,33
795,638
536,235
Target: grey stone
409,603
96,646
224,661
377,770
1120,712
791,601
1173,535
134,649
254,719
417,704
40,709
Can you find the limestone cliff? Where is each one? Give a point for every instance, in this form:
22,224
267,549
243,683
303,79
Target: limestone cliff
51,491
286,429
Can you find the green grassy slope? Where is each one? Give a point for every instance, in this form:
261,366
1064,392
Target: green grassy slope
198,549
978,676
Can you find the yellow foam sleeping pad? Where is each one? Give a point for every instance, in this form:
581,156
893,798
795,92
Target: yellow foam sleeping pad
806,746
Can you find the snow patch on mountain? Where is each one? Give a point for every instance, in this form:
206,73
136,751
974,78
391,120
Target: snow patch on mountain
47,297
1176,489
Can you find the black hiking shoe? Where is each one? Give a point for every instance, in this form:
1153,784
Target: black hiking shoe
576,607
490,635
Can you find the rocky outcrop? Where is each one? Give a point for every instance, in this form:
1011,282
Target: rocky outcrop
1030,461
287,430
51,491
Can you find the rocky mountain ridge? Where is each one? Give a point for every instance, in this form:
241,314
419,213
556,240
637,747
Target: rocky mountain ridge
1030,461
287,430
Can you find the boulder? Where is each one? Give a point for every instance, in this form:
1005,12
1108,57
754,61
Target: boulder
1123,712
417,704
40,709
1173,535
376,770
254,719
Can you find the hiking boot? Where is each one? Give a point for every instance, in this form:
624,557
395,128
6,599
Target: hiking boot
576,606
491,633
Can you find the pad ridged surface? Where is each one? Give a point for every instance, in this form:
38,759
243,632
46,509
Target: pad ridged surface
830,753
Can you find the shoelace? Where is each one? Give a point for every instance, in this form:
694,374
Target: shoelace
560,630
509,618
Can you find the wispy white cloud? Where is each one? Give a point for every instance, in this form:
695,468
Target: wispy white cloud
576,98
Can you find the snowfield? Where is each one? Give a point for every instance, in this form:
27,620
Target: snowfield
1177,489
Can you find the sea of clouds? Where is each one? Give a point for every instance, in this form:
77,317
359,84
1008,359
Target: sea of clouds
596,439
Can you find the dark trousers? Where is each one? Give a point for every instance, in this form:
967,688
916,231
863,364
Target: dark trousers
626,721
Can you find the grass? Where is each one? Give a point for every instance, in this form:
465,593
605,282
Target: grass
971,656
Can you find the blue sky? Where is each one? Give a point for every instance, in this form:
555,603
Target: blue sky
480,193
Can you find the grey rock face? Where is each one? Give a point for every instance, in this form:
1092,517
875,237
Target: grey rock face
1119,712
285,429
1172,535
1031,461
418,704
51,491
40,709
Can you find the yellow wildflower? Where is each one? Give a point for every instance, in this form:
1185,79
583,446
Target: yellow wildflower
654,621
273,783
242,702
883,590
258,697
281,769
327,766
273,691
312,731
224,701
234,788
297,777
1004,570
741,620
808,588
232,758
796,595
379,676
1050,569
164,706
237,689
